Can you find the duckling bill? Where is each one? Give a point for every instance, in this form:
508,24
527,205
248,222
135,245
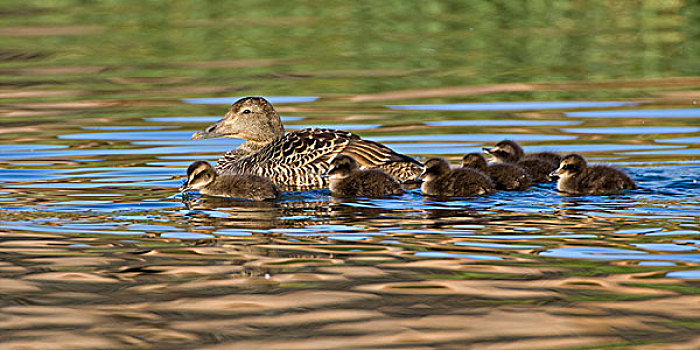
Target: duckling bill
348,180
201,176
439,180
578,178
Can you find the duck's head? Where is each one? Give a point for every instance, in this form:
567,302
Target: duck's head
474,160
506,151
570,165
199,175
434,167
250,118
341,166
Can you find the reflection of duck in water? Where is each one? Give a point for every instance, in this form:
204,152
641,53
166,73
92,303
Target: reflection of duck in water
347,180
440,180
576,177
505,176
538,165
201,176
299,159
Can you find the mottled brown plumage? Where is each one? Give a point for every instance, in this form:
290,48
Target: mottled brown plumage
539,165
348,180
505,176
578,178
201,176
440,180
296,160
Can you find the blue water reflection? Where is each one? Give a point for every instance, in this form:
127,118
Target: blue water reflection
501,123
596,253
513,106
628,130
638,113
687,274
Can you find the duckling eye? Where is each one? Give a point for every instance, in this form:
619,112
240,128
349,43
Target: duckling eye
246,111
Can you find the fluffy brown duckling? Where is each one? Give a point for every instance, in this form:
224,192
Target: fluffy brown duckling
578,178
201,176
539,165
440,180
348,180
505,176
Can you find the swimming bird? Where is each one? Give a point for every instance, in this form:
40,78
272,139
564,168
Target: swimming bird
505,176
578,178
440,180
539,165
296,160
201,176
347,180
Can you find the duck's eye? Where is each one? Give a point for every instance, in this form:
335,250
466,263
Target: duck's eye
246,111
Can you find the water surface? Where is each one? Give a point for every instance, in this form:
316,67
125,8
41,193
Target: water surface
99,250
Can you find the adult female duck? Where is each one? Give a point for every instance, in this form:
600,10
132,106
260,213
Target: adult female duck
296,160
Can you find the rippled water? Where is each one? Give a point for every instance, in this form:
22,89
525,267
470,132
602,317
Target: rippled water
98,250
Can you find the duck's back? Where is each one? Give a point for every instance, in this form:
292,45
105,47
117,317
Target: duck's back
600,179
548,156
462,182
242,186
298,160
367,183
538,168
508,177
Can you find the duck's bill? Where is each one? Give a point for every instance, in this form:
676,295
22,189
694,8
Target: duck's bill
184,188
487,150
554,174
212,131
205,135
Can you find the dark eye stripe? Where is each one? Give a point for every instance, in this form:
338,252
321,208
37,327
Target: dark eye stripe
197,176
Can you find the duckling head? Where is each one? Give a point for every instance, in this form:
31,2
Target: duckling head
250,118
474,160
505,151
199,175
570,165
342,166
434,167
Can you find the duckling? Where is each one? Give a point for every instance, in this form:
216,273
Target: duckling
296,160
440,180
201,176
347,180
505,176
576,177
539,165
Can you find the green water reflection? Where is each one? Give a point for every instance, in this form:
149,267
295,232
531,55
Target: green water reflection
287,47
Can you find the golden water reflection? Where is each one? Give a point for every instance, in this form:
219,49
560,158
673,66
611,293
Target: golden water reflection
315,294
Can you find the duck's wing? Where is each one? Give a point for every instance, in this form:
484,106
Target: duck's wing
302,157
372,154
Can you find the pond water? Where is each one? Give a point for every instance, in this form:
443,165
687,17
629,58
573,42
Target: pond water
99,250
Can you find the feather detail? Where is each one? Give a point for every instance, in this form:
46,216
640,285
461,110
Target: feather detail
298,160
